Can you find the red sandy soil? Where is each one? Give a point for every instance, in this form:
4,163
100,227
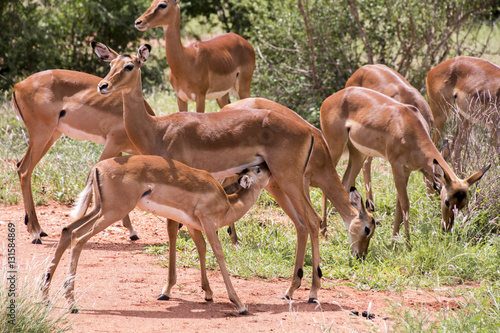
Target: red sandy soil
117,286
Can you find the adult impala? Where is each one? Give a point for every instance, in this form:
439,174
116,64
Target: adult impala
373,124
203,70
320,173
163,187
56,102
223,143
388,82
469,85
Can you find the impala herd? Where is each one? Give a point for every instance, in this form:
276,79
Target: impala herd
177,159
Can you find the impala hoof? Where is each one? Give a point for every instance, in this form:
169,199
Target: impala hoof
312,300
244,312
74,310
286,298
134,237
43,234
209,299
163,298
36,241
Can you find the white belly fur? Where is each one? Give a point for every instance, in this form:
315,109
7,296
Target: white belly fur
166,211
367,151
80,135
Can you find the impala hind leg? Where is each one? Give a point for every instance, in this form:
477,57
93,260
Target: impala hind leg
290,205
112,150
367,178
356,160
39,144
79,237
63,244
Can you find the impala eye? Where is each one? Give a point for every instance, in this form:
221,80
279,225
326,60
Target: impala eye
447,203
367,231
258,170
162,5
129,67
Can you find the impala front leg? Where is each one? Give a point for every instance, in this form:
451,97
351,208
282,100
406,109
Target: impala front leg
172,228
213,239
403,204
200,103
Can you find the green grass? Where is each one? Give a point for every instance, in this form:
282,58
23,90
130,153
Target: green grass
267,238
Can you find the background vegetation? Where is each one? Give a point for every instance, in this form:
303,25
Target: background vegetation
306,50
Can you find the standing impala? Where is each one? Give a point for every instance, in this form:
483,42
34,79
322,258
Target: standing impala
388,82
373,124
163,187
202,70
54,102
320,173
224,143
472,86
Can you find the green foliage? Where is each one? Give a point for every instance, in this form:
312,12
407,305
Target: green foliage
48,34
300,64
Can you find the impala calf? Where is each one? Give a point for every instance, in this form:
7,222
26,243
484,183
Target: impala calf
163,187
223,144
471,86
202,70
373,124
56,102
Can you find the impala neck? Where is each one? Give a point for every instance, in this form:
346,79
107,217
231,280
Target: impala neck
139,124
430,153
240,202
173,45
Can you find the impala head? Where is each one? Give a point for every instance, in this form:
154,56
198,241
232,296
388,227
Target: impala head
125,69
362,227
454,193
161,13
257,176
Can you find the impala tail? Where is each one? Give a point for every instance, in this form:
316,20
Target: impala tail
82,202
17,109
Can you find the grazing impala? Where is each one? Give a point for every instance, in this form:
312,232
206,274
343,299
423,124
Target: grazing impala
388,82
223,144
469,85
54,102
164,187
373,124
202,70
321,173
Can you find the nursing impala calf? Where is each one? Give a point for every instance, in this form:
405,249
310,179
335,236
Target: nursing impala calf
56,102
373,124
471,86
163,187
202,70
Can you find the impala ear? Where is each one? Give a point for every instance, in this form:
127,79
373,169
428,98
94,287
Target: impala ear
245,181
143,53
478,175
370,206
439,174
356,200
103,52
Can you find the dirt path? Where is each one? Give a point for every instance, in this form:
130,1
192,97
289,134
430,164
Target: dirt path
117,288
